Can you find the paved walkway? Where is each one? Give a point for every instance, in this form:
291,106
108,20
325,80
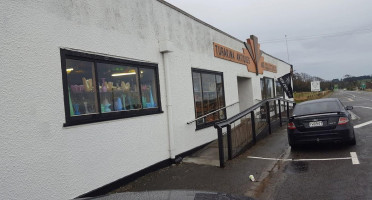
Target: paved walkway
233,179
206,156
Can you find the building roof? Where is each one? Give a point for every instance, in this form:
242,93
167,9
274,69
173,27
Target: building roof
198,20
276,58
210,26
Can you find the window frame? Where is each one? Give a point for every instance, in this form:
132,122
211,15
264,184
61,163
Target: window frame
265,87
197,70
276,91
101,116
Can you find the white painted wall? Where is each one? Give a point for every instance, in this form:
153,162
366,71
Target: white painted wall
42,160
245,93
282,68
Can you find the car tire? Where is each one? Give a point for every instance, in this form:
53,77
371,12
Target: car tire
293,145
352,142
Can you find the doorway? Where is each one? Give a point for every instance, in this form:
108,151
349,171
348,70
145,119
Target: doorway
245,93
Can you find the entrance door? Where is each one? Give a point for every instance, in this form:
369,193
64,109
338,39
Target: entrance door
245,93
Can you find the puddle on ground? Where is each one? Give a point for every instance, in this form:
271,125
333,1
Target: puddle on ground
296,167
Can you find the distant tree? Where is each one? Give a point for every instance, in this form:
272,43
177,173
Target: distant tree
302,81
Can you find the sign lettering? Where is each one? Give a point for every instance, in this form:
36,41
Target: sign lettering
230,54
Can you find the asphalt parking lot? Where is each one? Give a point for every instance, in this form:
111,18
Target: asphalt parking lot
327,171
330,171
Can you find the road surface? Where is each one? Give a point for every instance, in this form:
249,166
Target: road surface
318,172
328,171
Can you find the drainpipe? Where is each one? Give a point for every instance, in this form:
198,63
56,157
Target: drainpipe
165,49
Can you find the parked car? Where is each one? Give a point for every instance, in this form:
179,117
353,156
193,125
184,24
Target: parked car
322,120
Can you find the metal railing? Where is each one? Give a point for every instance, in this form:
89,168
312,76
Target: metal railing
201,117
243,129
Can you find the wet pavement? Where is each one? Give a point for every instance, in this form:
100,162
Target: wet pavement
233,179
279,172
170,195
330,179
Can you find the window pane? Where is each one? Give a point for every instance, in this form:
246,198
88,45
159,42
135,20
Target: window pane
319,107
221,96
279,89
198,97
263,94
81,87
209,95
148,88
269,88
118,87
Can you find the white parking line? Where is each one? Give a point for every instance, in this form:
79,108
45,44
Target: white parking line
362,107
353,115
293,159
363,124
359,97
350,94
354,158
349,99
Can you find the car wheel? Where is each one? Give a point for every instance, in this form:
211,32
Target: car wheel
352,141
293,145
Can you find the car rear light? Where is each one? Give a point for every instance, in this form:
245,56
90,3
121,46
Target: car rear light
291,125
343,120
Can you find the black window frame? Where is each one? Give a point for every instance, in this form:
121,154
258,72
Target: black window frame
265,87
209,124
276,90
100,116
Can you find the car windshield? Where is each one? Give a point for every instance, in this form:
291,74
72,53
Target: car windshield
316,107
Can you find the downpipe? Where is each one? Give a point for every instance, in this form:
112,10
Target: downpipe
168,105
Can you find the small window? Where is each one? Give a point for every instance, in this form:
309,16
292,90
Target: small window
279,90
208,97
99,88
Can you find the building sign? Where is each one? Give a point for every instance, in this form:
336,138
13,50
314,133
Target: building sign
269,67
230,54
315,86
251,56
253,48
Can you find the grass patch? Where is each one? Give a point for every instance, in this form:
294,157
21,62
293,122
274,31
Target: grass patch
306,96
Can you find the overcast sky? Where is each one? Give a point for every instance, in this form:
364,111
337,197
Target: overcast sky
326,38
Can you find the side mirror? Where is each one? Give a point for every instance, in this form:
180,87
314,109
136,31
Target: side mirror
349,107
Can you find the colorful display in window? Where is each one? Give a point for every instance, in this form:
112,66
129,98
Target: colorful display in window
118,88
100,88
81,91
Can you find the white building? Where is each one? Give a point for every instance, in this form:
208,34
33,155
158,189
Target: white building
94,91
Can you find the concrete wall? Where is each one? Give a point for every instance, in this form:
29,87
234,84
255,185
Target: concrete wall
39,158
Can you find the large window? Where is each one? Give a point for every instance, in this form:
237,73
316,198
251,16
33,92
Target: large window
99,88
208,97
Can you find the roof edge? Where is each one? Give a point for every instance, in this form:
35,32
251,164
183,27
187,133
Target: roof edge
276,58
198,20
210,26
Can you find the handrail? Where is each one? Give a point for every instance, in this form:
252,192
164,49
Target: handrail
211,113
238,116
250,111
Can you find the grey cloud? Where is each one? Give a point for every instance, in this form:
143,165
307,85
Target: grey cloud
326,57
